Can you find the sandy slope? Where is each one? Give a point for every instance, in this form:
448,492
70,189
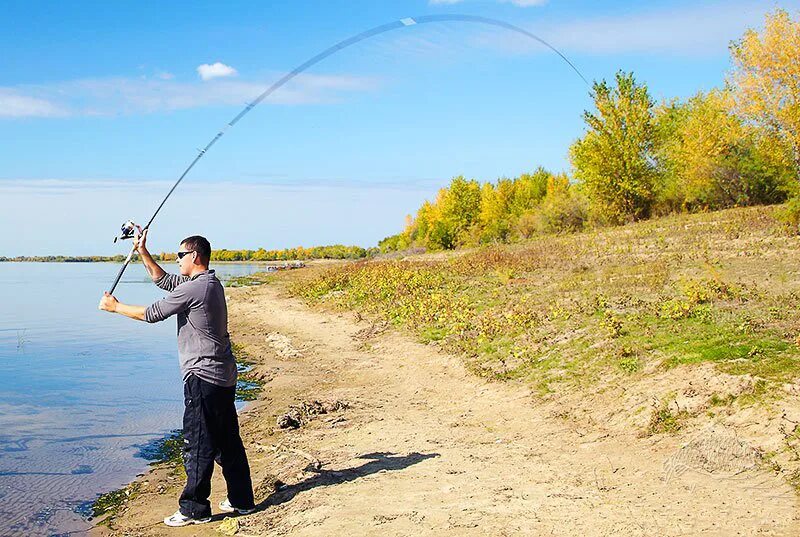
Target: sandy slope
424,448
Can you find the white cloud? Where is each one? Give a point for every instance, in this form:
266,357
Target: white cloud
13,104
207,71
134,95
701,29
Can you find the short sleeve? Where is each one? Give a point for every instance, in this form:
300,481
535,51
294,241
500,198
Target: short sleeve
178,300
169,282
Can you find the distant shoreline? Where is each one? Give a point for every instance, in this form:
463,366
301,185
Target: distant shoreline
335,251
122,259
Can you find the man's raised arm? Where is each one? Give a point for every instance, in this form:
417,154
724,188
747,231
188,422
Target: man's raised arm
153,268
166,281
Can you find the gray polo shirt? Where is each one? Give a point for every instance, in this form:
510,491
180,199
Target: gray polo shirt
204,346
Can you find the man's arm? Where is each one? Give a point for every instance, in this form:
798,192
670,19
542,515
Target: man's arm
164,280
109,303
168,282
153,268
177,301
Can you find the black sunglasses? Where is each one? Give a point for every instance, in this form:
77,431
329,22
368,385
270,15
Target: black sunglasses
181,254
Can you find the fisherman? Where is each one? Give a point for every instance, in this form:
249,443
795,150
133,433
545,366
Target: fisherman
210,423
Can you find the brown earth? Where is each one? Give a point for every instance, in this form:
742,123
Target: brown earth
410,443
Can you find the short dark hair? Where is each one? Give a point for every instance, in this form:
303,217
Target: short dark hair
200,245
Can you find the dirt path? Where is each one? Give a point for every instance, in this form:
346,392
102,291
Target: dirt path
424,448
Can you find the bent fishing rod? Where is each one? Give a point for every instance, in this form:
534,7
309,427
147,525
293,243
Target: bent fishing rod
132,231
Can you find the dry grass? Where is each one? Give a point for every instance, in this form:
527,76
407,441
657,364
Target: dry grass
564,310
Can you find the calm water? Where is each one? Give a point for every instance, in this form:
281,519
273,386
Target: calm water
80,389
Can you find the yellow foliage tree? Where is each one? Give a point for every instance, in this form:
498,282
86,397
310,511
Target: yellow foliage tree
529,190
495,217
614,158
711,159
766,81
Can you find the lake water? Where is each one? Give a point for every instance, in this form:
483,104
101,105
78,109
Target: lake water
81,390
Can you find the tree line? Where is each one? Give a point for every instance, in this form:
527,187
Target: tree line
336,251
64,258
734,146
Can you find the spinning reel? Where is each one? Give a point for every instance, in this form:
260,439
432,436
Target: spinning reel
130,230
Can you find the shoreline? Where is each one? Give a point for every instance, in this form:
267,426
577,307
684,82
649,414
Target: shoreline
165,474
119,259
119,262
165,452
449,453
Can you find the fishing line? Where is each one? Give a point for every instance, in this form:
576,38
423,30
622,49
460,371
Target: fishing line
130,230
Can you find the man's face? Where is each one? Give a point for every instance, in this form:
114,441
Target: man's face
185,260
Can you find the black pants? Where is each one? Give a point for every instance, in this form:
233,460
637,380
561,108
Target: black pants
211,430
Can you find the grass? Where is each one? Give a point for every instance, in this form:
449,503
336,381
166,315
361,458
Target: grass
166,450
257,278
562,311
111,502
665,420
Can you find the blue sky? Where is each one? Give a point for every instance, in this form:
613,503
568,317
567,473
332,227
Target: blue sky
103,104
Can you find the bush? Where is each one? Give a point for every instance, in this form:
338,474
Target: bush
393,243
563,213
528,224
790,215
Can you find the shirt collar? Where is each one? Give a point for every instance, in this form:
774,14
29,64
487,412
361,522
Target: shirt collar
207,271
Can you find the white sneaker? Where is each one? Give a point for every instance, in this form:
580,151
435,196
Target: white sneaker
178,519
226,507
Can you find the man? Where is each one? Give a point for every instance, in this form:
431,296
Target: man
210,424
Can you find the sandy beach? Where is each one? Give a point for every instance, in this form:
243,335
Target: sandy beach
397,438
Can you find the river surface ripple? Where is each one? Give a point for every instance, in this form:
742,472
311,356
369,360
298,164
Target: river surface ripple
81,391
